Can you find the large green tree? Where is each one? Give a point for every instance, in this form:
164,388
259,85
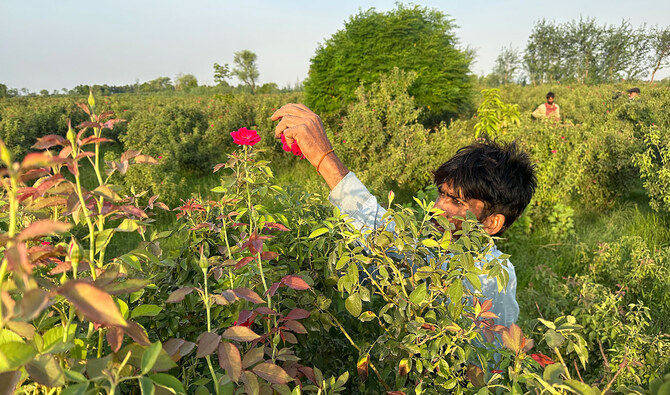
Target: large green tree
245,68
372,43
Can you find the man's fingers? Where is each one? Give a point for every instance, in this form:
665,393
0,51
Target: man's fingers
287,121
290,109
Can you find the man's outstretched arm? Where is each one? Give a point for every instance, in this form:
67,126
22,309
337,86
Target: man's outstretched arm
298,123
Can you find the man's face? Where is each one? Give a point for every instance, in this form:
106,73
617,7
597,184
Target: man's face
550,100
453,205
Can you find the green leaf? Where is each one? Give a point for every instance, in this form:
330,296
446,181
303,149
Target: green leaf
354,305
553,338
7,336
430,243
102,238
146,386
318,232
73,375
127,225
547,323
419,294
455,291
150,356
77,389
367,316
45,370
146,310
106,192
94,303
581,388
168,381
552,373
13,355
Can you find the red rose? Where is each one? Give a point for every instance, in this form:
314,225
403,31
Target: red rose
294,148
553,151
46,243
496,371
245,136
542,359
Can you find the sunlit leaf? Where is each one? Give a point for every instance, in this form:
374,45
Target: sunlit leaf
249,295
150,356
179,295
230,360
45,370
295,282
272,373
240,333
43,228
94,303
252,357
168,381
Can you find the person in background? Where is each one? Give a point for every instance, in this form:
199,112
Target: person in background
633,93
548,110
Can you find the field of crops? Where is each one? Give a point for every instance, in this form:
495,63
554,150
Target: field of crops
153,254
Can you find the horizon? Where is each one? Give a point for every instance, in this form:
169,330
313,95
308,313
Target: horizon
44,47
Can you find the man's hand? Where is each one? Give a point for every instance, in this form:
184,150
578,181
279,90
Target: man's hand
298,123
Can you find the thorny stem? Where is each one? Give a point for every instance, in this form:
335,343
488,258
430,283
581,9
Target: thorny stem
91,228
230,256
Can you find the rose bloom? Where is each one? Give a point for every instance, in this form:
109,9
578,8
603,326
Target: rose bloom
245,136
294,148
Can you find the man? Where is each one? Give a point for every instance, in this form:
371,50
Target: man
633,93
548,110
493,182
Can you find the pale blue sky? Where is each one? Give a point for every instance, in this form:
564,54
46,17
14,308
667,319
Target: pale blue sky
53,44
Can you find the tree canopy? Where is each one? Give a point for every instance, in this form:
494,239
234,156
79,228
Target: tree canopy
245,68
372,43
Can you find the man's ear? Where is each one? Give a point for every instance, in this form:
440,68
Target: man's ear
493,223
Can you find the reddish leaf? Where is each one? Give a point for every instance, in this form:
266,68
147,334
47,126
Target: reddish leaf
297,314
105,115
94,303
163,206
85,108
308,372
218,167
513,338
245,315
475,375
276,226
289,337
137,333
362,367
240,333
207,343
265,310
249,295
273,289
39,159
272,373
230,360
93,140
179,295
49,141
145,159
132,210
129,154
295,282
42,228
17,258
295,326
243,262
110,124
115,338
89,124
269,255
33,302
252,357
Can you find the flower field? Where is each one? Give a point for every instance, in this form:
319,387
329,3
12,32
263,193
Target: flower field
169,244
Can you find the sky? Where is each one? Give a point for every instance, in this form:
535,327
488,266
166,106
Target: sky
54,44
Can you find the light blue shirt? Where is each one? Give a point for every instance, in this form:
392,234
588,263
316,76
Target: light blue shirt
354,199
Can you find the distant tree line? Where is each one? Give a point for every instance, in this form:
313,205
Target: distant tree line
245,69
585,52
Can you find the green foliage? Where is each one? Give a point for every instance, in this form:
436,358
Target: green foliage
372,43
494,115
382,127
654,166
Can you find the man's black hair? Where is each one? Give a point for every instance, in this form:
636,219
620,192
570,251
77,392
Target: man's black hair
500,175
634,90
550,94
